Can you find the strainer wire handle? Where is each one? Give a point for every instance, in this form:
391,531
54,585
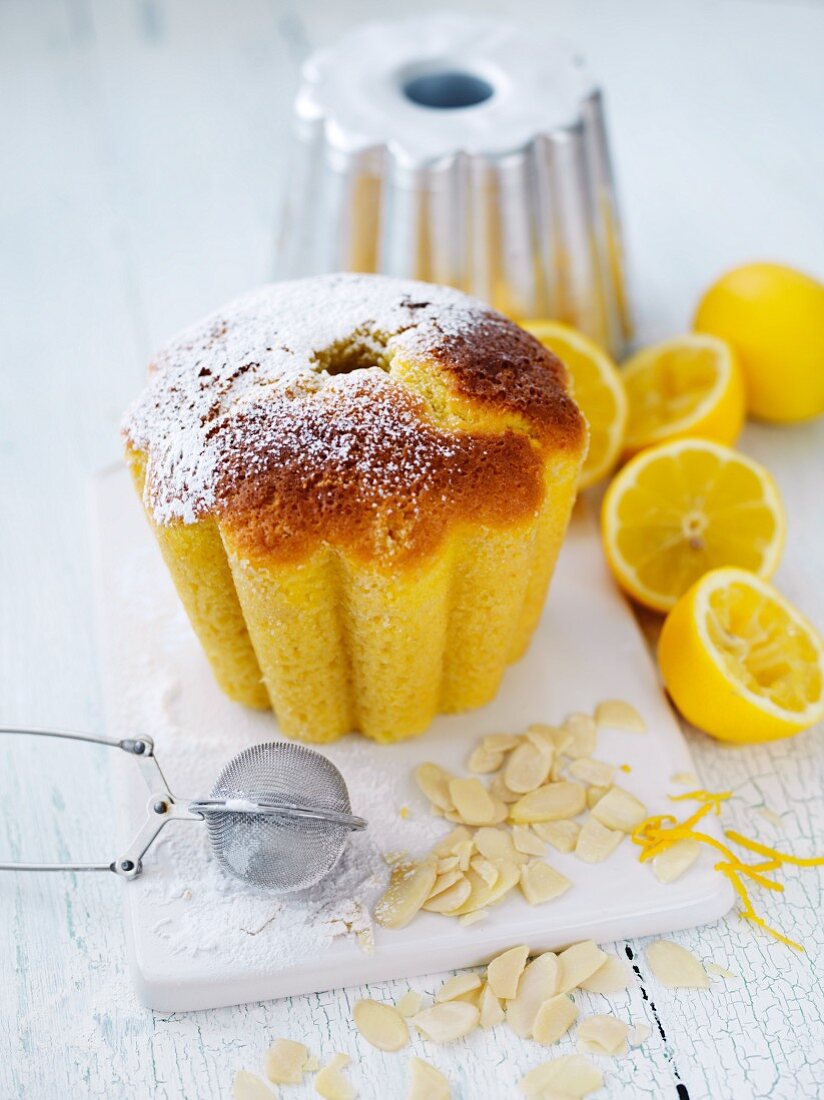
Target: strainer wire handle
162,805
270,807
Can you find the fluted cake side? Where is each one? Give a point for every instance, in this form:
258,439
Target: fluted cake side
359,485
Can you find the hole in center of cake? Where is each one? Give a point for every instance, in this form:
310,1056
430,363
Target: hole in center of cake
357,353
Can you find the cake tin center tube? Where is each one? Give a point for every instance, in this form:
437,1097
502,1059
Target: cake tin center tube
447,89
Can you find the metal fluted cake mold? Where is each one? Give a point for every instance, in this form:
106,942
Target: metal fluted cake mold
464,151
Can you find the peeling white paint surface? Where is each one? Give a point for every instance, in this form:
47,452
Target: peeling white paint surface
145,143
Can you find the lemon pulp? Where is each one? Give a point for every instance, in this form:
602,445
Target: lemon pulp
678,510
763,648
687,386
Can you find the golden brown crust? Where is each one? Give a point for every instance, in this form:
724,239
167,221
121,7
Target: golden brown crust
298,431
500,365
288,506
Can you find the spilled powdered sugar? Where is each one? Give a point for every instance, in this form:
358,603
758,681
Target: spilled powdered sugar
184,898
226,387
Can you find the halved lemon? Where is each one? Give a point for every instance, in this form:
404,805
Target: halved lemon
691,386
596,387
740,661
680,509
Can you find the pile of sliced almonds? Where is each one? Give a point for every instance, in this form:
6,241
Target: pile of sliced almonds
531,995
540,782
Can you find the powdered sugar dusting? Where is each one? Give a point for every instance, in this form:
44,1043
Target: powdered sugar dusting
252,377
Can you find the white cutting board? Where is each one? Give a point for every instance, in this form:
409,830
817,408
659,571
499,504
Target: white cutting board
199,939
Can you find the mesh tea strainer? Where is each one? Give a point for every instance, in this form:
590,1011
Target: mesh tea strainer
278,814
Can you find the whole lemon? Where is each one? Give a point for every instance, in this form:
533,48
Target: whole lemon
774,318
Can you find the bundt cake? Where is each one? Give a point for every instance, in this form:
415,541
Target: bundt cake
359,485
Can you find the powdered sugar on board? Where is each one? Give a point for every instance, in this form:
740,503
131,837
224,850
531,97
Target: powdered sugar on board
201,939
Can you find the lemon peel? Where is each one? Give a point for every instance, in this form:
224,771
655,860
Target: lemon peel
659,832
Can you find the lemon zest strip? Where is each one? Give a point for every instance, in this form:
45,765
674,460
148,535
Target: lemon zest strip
714,798
657,833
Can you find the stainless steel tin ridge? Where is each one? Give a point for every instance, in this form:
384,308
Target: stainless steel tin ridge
459,150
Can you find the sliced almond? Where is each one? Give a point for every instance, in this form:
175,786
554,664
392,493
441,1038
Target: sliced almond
482,895
499,790
504,972
562,835
286,1062
464,852
447,864
670,864
619,715
526,841
596,842
613,976
381,1025
456,987
556,735
603,1034
426,1082
544,738
619,809
500,812
771,816
330,1082
676,967
578,963
449,844
497,844
686,779
638,1034
553,802
500,742
541,883
248,1086
555,1017
443,882
488,870
719,971
409,1004
538,983
491,1009
443,1023
483,762
570,1076
408,889
528,766
472,801
583,734
596,772
474,917
434,783
450,900
594,795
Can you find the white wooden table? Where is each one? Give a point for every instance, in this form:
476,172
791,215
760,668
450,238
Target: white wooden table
142,142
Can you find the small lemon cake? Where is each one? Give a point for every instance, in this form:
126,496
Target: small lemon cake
359,485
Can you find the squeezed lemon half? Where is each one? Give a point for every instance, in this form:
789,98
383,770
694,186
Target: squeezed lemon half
688,386
680,509
740,662
598,390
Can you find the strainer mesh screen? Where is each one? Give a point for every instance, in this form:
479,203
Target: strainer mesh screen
281,852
